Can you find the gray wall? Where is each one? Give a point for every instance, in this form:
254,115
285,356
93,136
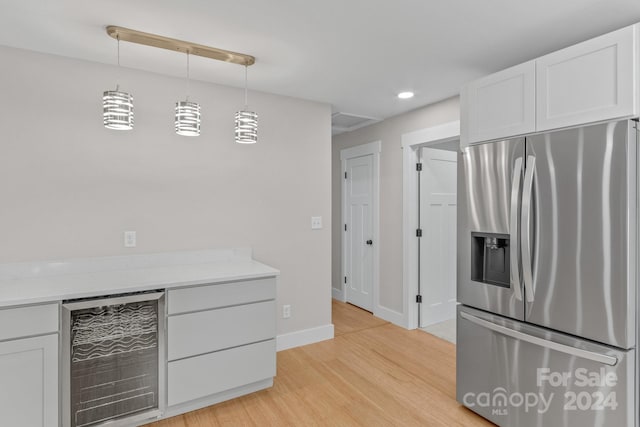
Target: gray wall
69,187
389,132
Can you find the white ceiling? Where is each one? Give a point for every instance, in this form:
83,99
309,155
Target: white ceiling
354,54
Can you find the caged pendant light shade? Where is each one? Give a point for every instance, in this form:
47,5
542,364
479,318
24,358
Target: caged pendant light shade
187,113
246,121
246,127
117,110
117,107
187,118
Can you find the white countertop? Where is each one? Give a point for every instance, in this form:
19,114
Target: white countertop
31,283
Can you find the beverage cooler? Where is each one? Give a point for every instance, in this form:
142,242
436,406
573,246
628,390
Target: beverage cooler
112,360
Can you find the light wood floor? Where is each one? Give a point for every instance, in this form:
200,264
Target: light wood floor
372,374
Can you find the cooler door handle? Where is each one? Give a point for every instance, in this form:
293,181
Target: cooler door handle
513,227
527,193
578,352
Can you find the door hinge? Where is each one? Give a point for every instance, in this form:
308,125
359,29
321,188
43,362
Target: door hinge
418,167
345,279
419,232
345,175
419,299
345,227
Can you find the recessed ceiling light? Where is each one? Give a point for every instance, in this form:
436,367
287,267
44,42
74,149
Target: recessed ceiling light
405,95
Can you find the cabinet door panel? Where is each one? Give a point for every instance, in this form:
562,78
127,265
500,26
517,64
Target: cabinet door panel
589,82
29,385
499,105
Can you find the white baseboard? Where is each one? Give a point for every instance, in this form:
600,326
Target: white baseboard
304,337
337,294
389,315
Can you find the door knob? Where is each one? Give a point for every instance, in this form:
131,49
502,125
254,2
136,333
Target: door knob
369,242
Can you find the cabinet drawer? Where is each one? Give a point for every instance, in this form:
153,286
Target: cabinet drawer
26,321
589,82
206,331
220,295
212,373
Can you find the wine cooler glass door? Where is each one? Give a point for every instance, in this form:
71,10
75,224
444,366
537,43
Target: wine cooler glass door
112,360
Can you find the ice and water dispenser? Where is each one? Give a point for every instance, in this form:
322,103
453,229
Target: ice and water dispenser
490,258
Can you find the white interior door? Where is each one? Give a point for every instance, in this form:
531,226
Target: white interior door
359,233
438,242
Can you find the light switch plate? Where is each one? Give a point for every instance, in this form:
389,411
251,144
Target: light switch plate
316,222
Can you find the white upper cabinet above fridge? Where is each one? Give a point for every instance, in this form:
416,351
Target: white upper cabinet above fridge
592,81
499,105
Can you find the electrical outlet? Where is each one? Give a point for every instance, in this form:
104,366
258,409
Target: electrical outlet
129,239
316,222
286,311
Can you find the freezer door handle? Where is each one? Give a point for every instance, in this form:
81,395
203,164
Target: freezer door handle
527,193
578,352
513,227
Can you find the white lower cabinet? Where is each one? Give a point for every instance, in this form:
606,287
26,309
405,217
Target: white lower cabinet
29,378
220,342
216,341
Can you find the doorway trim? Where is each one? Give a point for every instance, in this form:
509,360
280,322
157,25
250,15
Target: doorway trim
371,148
411,143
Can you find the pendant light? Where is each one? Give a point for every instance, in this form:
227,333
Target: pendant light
246,121
117,106
187,113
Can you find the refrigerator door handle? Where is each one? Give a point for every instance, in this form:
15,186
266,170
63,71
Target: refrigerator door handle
578,352
513,226
527,193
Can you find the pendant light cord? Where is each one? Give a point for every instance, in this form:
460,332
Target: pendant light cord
118,73
188,82
246,105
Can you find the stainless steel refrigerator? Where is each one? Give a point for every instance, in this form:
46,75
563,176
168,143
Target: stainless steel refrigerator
546,275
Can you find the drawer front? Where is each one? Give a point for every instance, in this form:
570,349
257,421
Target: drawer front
206,331
201,376
221,295
26,321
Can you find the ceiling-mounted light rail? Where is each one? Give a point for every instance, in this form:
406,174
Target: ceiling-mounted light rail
162,42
